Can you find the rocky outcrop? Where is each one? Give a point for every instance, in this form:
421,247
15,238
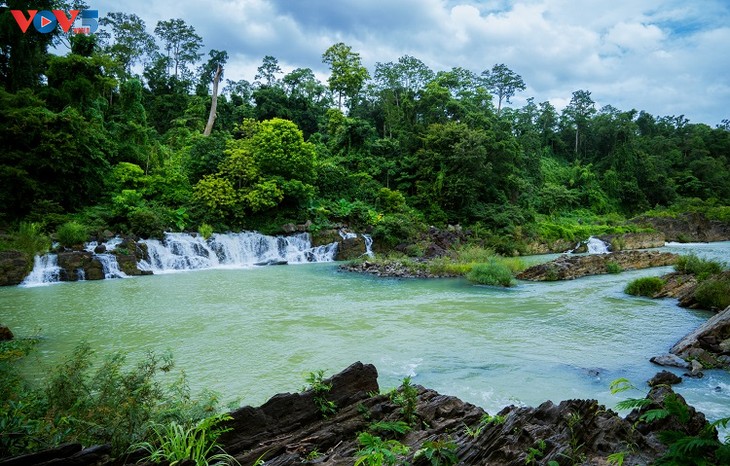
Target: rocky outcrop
709,344
290,429
416,268
76,263
628,241
348,248
568,267
14,266
549,247
688,227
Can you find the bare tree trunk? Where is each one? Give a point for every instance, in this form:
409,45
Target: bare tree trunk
214,103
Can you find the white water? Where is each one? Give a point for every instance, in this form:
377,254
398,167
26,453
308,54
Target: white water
45,271
368,245
110,266
596,246
181,251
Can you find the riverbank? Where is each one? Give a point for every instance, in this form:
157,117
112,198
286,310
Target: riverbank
416,425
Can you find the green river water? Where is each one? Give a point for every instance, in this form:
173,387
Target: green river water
252,333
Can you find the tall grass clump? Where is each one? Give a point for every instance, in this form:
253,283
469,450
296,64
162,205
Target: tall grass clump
71,234
645,286
31,240
493,272
697,266
714,293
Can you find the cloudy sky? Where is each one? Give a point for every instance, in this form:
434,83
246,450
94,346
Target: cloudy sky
668,57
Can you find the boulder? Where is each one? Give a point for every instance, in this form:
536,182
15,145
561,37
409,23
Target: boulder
670,360
687,227
14,267
629,241
568,267
664,378
350,248
72,262
5,333
707,342
289,228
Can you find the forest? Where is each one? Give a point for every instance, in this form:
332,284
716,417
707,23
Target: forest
118,135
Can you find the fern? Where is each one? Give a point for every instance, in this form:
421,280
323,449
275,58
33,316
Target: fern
632,403
654,415
620,385
397,427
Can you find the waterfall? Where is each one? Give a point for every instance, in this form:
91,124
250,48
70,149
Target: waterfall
45,271
110,266
181,251
368,245
596,246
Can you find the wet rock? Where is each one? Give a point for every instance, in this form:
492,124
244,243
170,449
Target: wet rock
271,262
14,267
628,241
670,360
695,370
704,344
5,333
71,262
100,249
568,267
289,228
350,248
664,378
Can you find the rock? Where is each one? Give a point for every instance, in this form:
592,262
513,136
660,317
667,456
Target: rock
128,264
704,343
289,228
696,421
350,248
14,267
687,227
100,249
696,370
664,378
552,247
271,262
568,267
71,262
5,333
629,241
670,360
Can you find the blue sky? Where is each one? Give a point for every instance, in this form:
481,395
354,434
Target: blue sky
663,56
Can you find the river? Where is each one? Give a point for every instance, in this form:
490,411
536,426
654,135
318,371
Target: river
250,333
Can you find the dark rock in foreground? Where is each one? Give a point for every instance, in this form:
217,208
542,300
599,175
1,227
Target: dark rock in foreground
14,266
568,267
290,430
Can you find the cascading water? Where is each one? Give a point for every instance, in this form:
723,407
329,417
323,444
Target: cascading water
181,251
368,245
110,266
596,246
45,271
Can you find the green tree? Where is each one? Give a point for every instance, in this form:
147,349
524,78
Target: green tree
579,111
347,73
268,71
127,41
503,82
181,44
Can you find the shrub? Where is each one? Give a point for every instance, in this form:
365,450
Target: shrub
493,272
701,268
205,230
613,267
714,293
646,286
71,234
30,239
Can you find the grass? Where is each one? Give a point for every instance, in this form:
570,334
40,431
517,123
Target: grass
714,293
493,272
645,286
699,267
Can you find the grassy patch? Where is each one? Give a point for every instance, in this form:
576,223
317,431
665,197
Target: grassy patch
494,272
697,266
581,224
646,286
714,293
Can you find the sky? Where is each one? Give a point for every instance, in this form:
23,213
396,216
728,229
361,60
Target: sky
666,57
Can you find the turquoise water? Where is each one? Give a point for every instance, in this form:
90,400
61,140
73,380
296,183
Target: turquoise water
252,333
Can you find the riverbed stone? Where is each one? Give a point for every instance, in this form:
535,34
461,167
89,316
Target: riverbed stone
569,267
670,360
703,344
5,333
14,267
664,378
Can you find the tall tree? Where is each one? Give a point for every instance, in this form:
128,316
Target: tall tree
213,70
181,44
503,82
347,73
268,71
127,41
579,111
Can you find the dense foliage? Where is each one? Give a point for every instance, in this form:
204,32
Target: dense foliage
111,136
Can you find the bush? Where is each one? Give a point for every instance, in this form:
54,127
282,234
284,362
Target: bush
493,272
613,267
205,230
646,286
30,239
71,234
699,267
714,293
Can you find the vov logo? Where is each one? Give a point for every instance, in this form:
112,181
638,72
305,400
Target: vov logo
46,21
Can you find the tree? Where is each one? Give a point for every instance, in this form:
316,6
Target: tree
579,110
268,71
181,43
347,73
213,70
503,82
130,42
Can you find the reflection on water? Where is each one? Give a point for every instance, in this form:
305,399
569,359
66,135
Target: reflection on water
251,333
